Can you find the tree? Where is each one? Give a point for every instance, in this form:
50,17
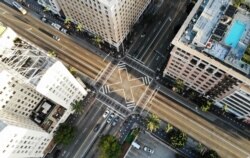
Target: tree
169,128
51,53
72,70
179,86
79,28
225,108
65,134
46,9
77,107
178,139
210,154
153,123
110,147
206,106
237,3
97,40
68,22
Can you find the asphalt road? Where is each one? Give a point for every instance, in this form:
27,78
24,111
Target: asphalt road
227,145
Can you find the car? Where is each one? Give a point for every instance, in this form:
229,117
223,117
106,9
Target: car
97,127
112,115
115,121
44,19
109,120
106,113
55,25
56,38
147,149
64,30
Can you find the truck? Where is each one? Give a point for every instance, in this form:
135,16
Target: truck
136,145
19,7
50,34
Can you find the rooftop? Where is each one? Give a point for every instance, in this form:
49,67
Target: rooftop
221,31
2,29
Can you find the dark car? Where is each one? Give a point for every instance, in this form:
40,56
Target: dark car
97,127
56,153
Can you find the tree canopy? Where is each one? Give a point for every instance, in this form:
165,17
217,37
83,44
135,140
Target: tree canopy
65,134
178,139
110,147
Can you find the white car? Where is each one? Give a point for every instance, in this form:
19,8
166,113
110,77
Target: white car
106,113
64,30
147,149
57,26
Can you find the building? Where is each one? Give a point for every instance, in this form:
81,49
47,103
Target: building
111,20
36,94
208,54
51,5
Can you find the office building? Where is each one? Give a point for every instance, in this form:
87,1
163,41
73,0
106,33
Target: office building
51,5
36,94
112,20
209,54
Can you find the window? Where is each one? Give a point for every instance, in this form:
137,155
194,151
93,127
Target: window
193,61
202,66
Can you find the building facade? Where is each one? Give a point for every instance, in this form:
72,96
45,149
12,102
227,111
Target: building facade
207,57
112,20
36,94
51,5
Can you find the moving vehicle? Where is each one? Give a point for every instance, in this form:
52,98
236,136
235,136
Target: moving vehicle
57,38
19,7
97,127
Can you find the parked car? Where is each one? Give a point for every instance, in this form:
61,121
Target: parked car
106,113
115,121
64,30
55,25
147,149
97,127
109,119
44,19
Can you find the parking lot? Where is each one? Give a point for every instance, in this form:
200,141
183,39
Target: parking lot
160,150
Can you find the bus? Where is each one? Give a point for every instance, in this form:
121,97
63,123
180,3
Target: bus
19,7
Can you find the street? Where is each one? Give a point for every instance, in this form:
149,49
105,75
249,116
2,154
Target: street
73,52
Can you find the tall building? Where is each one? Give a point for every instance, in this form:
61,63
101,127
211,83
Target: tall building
51,5
209,54
36,94
110,19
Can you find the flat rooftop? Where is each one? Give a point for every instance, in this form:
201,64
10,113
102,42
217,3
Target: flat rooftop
161,150
220,30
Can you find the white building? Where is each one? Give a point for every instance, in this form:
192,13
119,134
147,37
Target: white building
207,55
36,94
112,20
51,5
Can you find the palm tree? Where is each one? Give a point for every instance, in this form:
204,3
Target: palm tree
72,70
153,123
98,40
79,27
225,108
77,107
51,53
67,22
169,128
206,106
46,9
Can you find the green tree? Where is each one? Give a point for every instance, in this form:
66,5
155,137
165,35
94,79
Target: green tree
178,139
225,108
206,106
179,86
46,9
79,28
72,70
237,3
52,53
68,22
65,134
110,147
210,154
153,122
169,128
97,41
77,107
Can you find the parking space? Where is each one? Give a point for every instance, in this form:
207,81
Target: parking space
160,150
